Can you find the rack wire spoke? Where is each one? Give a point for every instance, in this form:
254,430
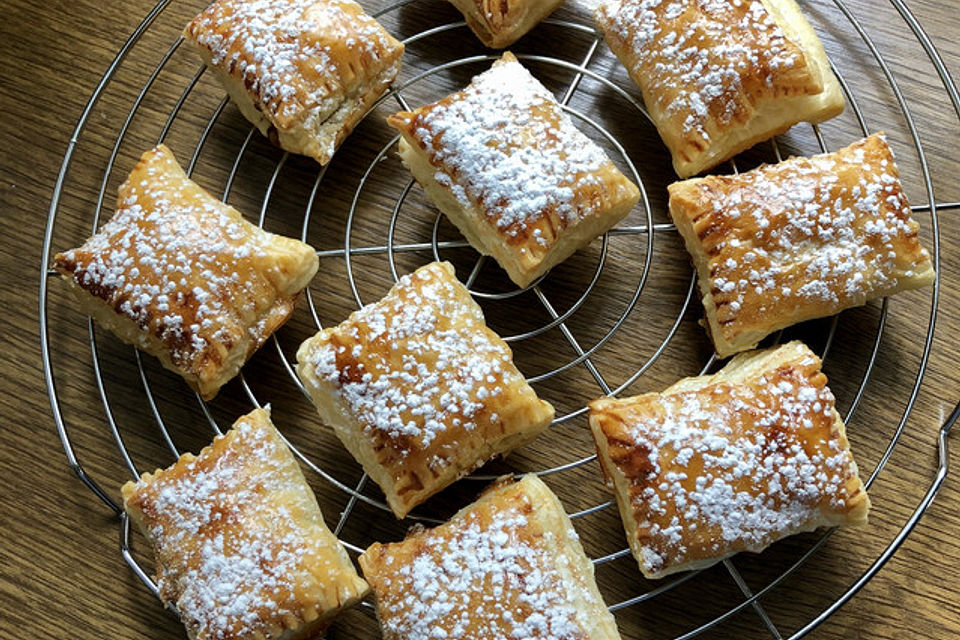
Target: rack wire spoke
653,593
745,590
351,503
573,342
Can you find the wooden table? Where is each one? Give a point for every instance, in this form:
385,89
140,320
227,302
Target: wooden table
62,575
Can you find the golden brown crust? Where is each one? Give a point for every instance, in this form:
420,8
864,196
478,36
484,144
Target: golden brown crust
802,239
504,162
303,71
419,390
240,544
730,462
508,566
500,23
184,277
719,77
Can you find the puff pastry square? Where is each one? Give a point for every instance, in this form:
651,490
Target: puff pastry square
500,23
508,566
507,166
184,277
241,546
729,462
418,389
802,239
719,76
303,71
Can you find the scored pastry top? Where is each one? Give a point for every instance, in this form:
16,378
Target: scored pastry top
447,374
419,388
298,59
804,238
509,565
730,462
189,271
706,61
241,546
504,146
718,76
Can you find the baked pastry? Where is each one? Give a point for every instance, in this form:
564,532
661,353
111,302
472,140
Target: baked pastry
508,566
418,389
802,239
506,165
729,462
184,277
499,24
240,543
303,71
718,77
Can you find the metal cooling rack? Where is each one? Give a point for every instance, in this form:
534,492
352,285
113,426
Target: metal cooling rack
644,233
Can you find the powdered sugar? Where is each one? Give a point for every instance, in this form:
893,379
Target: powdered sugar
231,554
441,371
833,229
734,466
504,145
488,575
180,264
288,52
701,60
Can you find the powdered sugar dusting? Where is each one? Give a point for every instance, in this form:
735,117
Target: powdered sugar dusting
235,552
288,53
702,61
418,362
504,145
834,229
733,466
179,263
487,575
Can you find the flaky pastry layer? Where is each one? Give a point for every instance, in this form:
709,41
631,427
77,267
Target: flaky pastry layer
508,167
730,462
418,389
718,77
508,566
240,544
184,277
801,239
303,71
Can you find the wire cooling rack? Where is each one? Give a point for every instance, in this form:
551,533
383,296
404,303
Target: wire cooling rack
616,318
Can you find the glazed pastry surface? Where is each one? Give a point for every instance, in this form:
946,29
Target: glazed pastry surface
719,76
508,566
508,167
240,544
419,389
801,239
184,277
730,462
303,71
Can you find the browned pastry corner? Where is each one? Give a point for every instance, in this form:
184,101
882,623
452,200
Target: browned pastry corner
500,23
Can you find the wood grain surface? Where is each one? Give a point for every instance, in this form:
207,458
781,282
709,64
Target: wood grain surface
61,573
